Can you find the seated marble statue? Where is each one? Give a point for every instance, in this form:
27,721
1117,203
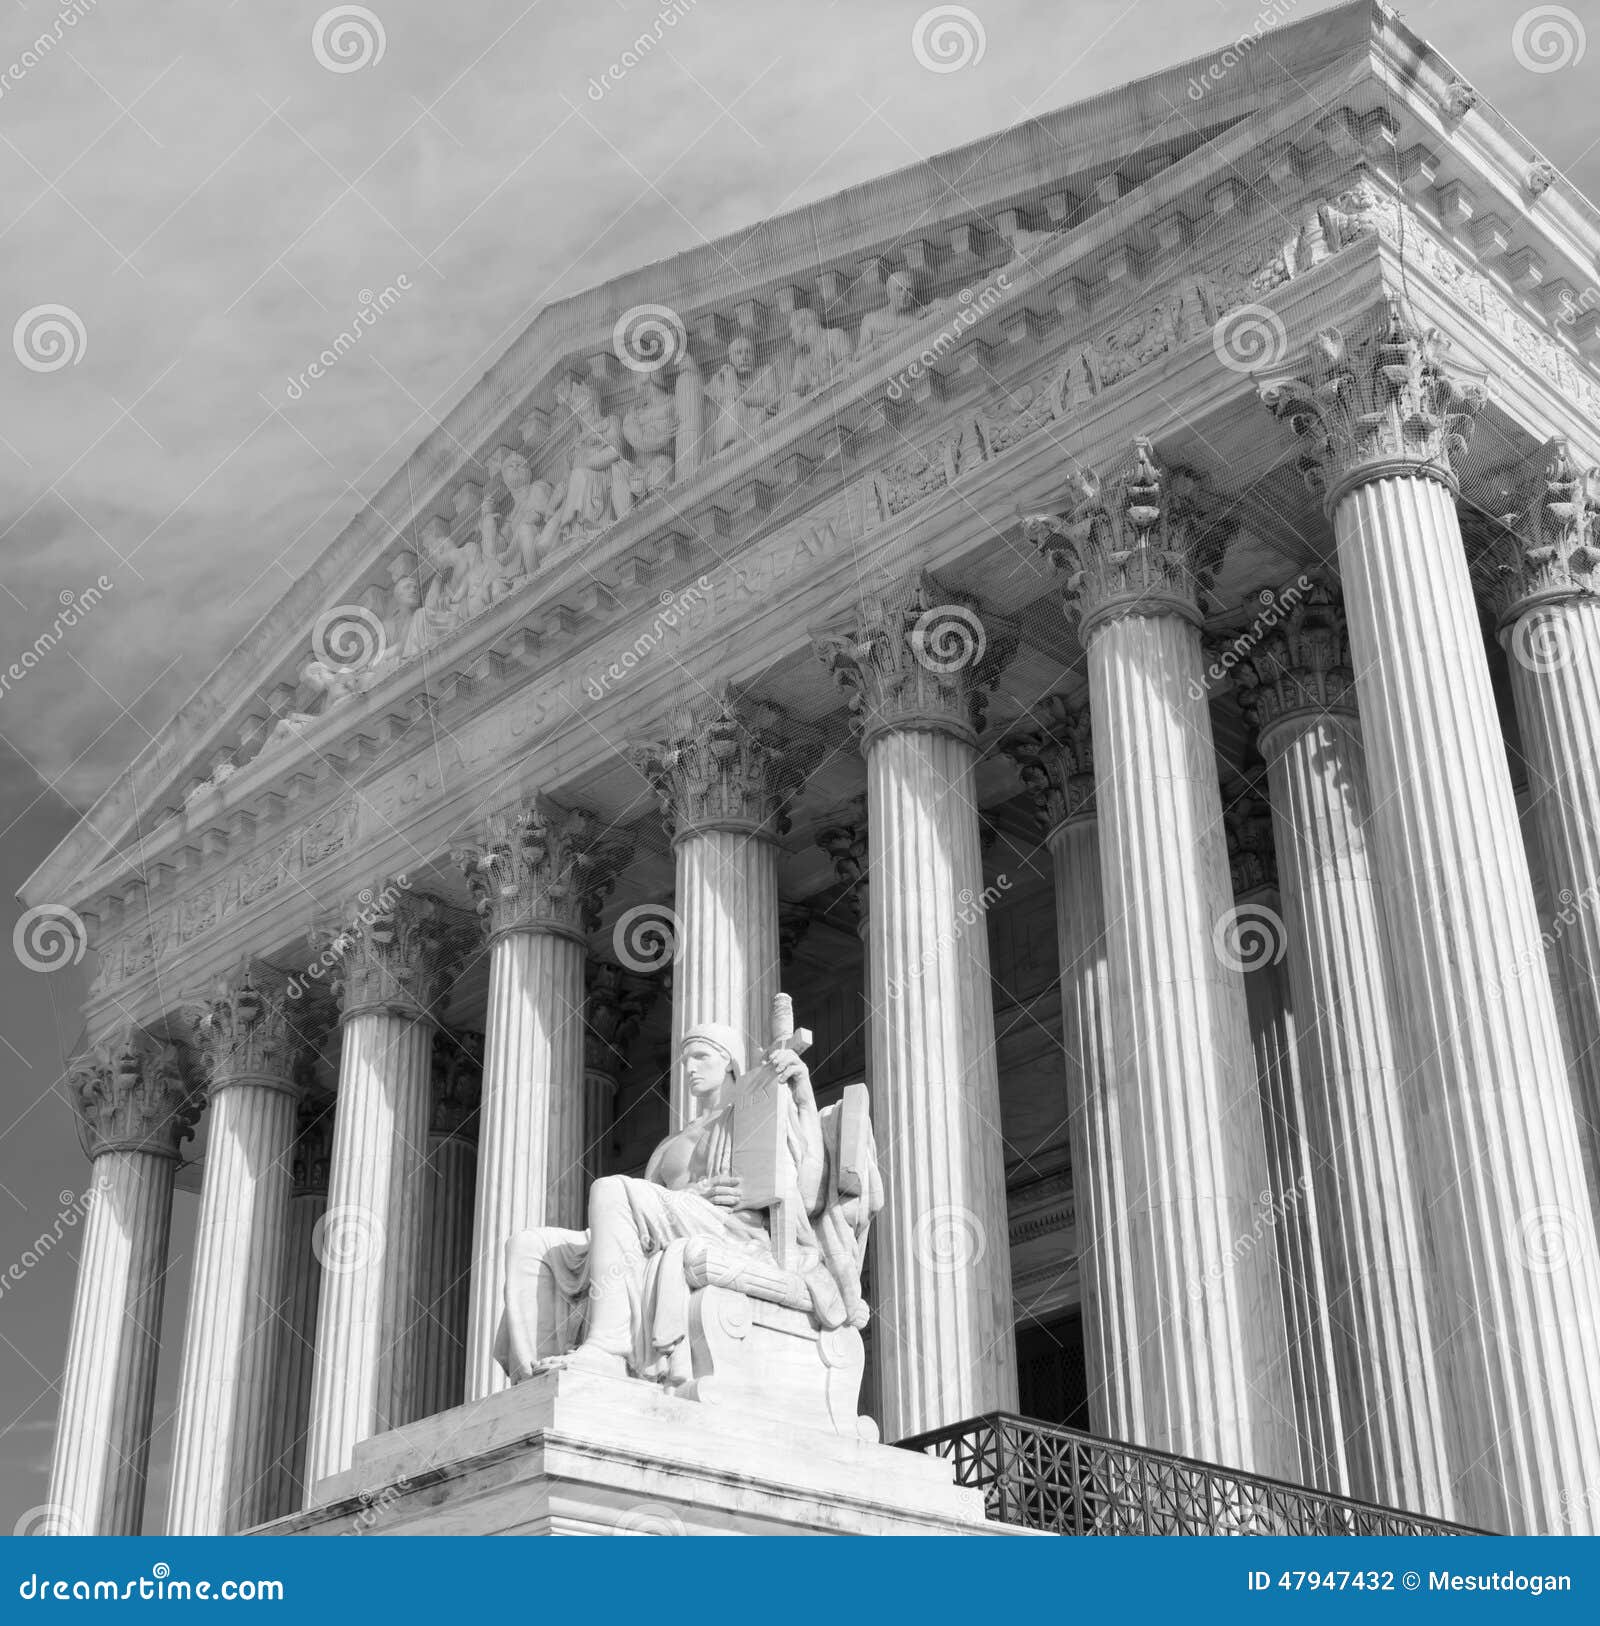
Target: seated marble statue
644,1292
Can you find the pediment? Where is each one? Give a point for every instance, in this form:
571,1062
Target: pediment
1080,214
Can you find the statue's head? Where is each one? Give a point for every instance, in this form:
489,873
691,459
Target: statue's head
712,1056
742,352
900,290
515,471
804,326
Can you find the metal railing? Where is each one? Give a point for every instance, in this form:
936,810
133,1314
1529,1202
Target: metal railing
1046,1477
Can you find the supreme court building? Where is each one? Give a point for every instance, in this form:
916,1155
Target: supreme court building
1107,622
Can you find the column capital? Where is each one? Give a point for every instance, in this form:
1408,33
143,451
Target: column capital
391,949
142,1093
542,867
1140,540
457,1083
1545,547
724,762
253,1030
313,1146
794,921
1299,663
843,837
1054,754
916,654
1377,400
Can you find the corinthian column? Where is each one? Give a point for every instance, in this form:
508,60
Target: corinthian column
392,971
1513,1265
1213,1361
1056,760
724,776
297,1314
1548,599
1255,939
917,659
253,1042
136,1107
1298,689
448,1185
539,880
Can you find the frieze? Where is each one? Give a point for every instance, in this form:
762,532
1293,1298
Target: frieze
163,931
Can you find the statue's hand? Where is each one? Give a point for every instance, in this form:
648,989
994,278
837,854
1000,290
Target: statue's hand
722,1189
792,1071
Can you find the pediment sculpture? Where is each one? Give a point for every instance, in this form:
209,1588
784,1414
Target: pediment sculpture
730,1274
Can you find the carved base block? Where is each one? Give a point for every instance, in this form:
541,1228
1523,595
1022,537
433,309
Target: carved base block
773,1361
572,1453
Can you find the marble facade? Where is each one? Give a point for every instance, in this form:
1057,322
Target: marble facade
895,627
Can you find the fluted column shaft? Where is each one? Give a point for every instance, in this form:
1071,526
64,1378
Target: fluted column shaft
530,1138
222,1445
446,1277
102,1446
727,907
363,1380
1111,1351
1213,1357
1293,1203
942,1267
1555,669
297,1327
1369,1207
1513,1259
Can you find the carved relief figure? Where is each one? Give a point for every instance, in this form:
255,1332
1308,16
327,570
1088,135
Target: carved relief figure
467,583
650,427
746,396
821,355
512,539
599,480
318,680
891,322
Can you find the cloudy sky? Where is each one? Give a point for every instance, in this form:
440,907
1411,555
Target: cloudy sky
209,199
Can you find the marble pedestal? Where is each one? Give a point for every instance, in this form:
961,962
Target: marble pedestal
571,1453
